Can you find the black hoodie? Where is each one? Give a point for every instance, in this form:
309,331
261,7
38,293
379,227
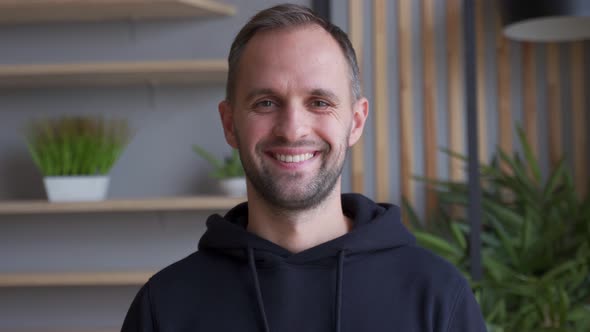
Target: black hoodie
373,278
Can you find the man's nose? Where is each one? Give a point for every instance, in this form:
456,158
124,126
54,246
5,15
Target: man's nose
293,123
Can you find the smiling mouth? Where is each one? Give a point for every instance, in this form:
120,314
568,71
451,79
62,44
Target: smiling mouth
293,158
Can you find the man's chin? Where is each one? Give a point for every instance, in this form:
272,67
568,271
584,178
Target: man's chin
293,198
294,203
286,195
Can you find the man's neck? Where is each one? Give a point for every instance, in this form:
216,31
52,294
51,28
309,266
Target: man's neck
297,231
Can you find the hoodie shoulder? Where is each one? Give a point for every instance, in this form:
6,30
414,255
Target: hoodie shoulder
440,283
424,262
430,270
158,306
139,317
185,270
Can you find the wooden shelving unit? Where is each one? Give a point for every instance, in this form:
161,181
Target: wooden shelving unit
115,73
198,203
105,74
60,279
43,11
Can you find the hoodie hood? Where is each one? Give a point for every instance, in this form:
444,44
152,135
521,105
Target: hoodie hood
375,227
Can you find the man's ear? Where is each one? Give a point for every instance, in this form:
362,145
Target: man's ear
227,121
359,117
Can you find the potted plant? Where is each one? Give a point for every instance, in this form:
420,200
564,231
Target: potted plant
229,172
75,154
535,243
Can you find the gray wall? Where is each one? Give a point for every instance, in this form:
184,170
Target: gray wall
158,162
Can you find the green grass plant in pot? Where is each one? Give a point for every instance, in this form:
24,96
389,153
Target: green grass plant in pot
535,243
76,153
228,172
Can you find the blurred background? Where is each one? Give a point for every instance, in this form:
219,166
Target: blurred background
77,266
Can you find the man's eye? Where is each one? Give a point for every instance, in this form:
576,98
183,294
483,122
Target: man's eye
264,103
319,104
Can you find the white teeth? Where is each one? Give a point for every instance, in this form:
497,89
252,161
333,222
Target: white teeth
293,158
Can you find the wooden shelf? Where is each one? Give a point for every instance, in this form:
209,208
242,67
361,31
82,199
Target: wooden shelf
40,11
55,279
202,203
115,73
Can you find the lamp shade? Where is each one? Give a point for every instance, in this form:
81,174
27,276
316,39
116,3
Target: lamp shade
546,20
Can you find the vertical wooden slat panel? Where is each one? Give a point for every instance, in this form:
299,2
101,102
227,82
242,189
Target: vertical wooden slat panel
580,157
529,79
456,91
554,104
355,21
381,99
481,81
504,90
406,94
430,136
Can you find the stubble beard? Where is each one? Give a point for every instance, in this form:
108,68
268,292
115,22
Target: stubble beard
307,195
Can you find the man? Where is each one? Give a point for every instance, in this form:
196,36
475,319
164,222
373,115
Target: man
299,256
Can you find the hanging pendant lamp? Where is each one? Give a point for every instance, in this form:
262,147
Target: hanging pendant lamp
546,20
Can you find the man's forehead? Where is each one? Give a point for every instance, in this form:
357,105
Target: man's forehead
306,57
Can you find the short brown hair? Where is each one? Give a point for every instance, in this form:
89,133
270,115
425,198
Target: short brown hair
285,16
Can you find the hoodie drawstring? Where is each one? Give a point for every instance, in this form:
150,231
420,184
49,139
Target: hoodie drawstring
339,281
257,287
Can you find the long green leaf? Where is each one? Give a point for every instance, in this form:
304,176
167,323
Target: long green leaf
555,179
532,162
458,235
412,215
505,215
216,163
507,241
438,245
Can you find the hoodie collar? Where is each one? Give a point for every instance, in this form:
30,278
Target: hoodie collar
375,227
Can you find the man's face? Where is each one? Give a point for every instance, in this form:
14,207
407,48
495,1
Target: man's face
293,117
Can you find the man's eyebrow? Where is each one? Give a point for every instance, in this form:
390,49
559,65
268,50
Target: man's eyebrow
319,92
258,92
325,93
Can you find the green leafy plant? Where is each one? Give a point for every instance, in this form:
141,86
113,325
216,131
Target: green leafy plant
535,243
230,167
76,145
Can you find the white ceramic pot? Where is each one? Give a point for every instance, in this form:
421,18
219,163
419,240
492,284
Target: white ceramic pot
76,188
234,187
